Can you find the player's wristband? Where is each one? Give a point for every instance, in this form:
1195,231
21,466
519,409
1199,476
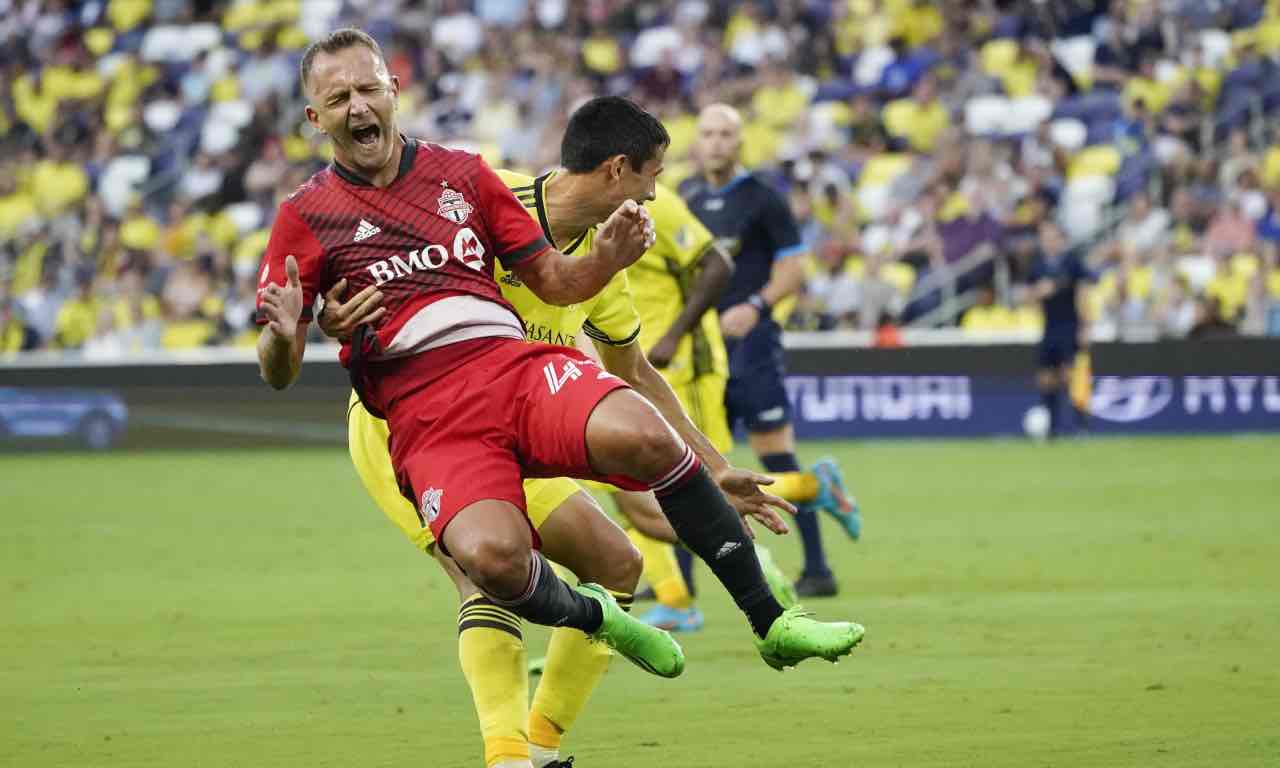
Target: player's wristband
757,301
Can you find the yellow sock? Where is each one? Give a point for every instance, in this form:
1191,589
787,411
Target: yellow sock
574,668
796,487
491,650
662,571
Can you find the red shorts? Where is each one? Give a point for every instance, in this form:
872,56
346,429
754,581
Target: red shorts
471,420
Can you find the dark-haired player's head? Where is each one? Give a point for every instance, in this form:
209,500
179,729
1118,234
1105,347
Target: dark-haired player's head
351,97
615,138
719,139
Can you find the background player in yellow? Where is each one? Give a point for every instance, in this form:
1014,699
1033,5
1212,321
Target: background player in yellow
568,205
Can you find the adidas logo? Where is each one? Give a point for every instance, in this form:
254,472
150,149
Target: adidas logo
728,547
366,231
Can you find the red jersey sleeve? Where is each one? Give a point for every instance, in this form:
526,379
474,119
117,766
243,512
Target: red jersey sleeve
516,235
291,235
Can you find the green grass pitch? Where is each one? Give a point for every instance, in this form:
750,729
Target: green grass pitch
1096,603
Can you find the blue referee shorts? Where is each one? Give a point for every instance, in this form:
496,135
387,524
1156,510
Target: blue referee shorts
1057,348
757,395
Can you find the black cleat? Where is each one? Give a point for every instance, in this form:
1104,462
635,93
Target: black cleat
566,763
816,586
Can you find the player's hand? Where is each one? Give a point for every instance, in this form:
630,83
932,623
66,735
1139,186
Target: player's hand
742,488
661,354
282,304
738,320
625,235
339,319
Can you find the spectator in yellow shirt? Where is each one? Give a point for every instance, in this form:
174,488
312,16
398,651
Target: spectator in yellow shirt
920,119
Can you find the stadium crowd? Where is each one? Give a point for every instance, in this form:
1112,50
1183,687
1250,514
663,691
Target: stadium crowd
921,145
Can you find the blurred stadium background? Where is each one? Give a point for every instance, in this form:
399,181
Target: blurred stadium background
1095,602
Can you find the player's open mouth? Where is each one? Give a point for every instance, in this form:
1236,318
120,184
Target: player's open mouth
367,135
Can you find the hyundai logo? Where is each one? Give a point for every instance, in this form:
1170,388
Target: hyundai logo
1126,400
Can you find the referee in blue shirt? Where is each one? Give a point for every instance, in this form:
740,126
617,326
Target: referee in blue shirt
753,223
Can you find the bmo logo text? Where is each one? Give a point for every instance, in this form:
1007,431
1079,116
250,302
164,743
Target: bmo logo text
880,398
467,249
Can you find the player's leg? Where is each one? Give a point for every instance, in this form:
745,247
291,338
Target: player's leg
756,397
455,450
491,541
578,420
675,610
1050,378
491,648
492,655
627,438
776,450
653,536
578,535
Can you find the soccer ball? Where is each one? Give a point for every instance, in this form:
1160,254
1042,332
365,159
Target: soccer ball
1035,422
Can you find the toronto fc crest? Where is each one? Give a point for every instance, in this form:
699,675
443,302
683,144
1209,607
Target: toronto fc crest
430,509
453,206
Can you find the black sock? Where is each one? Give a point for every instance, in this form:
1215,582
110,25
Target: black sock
1050,401
707,524
815,556
684,558
552,603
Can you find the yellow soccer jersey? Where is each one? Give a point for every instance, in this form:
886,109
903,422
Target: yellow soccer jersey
609,317
661,281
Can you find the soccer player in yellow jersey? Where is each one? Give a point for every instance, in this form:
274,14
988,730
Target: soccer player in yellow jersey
491,650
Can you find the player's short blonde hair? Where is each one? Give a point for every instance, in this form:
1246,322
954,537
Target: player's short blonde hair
337,40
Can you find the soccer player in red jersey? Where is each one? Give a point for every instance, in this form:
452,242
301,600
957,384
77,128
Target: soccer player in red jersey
472,408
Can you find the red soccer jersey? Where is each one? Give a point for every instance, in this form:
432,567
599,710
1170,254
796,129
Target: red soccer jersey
431,235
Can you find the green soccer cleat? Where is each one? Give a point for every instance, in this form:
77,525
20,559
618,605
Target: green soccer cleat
779,584
649,648
795,637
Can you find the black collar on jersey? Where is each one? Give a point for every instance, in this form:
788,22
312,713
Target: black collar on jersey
539,205
406,162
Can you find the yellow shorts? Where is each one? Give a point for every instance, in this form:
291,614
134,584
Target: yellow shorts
367,438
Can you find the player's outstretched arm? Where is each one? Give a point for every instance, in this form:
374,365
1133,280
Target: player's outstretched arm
742,487
283,338
561,280
715,269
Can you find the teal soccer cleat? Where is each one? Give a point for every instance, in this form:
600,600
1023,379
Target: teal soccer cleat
834,499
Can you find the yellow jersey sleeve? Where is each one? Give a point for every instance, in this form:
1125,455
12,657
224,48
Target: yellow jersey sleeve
612,318
561,325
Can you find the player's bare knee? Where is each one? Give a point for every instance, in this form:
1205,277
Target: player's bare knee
496,565
655,449
628,564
